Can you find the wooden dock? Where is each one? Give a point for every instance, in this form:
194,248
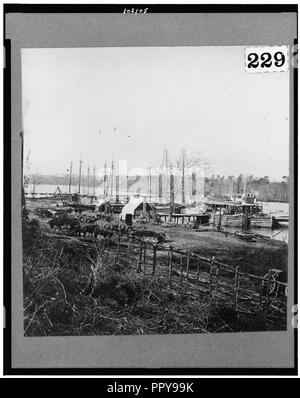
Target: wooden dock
183,218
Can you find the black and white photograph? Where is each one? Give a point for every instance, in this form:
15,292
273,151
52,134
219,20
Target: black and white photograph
153,187
156,191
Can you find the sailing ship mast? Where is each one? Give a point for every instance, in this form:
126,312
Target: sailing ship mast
164,170
160,188
112,163
79,180
150,184
194,186
70,177
88,181
112,177
105,187
183,154
171,193
127,187
244,185
117,189
230,186
94,180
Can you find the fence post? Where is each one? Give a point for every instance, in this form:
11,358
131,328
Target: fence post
181,268
144,257
140,258
187,265
198,273
237,283
268,288
217,279
170,264
212,260
154,260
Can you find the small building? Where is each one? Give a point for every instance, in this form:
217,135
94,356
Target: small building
249,198
136,209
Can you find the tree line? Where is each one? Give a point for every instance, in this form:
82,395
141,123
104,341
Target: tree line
263,188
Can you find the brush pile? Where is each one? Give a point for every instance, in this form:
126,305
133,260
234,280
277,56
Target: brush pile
74,290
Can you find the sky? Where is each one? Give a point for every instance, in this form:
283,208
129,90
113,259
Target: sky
92,104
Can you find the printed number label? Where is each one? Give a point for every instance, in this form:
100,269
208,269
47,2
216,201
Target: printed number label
266,59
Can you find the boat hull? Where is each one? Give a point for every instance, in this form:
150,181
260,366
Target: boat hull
233,220
229,220
262,222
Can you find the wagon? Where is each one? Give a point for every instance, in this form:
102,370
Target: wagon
272,277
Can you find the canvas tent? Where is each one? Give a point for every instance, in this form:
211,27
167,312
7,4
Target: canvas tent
136,208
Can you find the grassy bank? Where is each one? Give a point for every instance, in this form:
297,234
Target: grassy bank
73,289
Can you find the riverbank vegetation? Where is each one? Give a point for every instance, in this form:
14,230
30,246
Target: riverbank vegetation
73,288
216,185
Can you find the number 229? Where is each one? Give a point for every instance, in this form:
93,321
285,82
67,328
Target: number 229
266,60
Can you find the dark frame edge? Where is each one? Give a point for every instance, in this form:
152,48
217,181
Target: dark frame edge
117,8
7,344
153,8
295,143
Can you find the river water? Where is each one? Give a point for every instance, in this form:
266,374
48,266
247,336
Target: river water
41,189
275,208
279,209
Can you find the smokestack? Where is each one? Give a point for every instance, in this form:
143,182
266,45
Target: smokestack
117,189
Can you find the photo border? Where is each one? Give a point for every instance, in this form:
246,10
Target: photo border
114,8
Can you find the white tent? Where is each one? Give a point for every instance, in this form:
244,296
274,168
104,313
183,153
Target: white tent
132,206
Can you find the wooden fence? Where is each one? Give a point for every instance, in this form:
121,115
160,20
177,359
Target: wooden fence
244,291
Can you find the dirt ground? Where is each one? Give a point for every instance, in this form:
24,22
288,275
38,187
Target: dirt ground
256,257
